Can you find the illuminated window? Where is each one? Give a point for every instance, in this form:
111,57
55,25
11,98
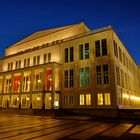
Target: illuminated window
81,52
107,99
86,50
100,98
104,47
98,75
97,46
88,99
82,100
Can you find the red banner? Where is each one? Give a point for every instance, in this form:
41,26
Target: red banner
48,79
16,83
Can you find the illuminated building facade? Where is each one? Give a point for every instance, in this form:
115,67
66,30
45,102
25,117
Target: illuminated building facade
69,67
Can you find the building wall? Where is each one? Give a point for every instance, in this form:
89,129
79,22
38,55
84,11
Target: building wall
126,75
93,89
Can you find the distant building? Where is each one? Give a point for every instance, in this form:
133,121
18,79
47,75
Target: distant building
69,67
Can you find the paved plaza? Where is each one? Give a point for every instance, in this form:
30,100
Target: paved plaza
25,127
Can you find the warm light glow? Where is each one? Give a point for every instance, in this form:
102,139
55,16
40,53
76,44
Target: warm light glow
38,98
50,78
17,99
28,82
56,103
135,98
125,96
39,81
18,83
50,98
27,99
82,99
100,98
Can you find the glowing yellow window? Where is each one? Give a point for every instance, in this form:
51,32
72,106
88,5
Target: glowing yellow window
82,101
100,98
107,99
88,99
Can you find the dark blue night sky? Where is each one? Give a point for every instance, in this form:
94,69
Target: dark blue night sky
20,18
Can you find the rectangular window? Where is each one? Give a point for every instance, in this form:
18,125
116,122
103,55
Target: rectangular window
105,70
98,75
38,59
8,66
120,54
81,77
71,78
66,55
82,100
49,57
122,78
107,99
115,49
87,76
28,62
16,64
11,65
45,58
71,100
81,52
123,58
87,51
118,75
104,47
24,62
34,60
100,98
19,64
88,99
97,48
66,79
71,54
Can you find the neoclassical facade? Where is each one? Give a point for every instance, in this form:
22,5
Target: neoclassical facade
69,67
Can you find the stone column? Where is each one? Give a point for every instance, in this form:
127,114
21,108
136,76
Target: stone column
53,87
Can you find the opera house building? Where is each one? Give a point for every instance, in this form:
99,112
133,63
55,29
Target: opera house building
70,67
